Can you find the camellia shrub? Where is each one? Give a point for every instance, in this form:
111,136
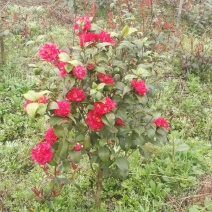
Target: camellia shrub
96,101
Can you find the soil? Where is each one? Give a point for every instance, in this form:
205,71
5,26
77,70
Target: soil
29,3
195,197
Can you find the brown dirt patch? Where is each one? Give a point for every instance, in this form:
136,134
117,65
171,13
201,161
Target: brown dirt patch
196,197
29,3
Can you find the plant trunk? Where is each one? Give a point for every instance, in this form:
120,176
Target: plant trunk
98,188
2,41
177,27
2,50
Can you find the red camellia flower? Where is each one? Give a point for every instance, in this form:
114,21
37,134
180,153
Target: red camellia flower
82,23
78,147
79,72
44,99
64,108
94,120
50,136
61,64
161,122
106,78
87,37
26,103
119,122
75,95
104,107
139,86
90,66
63,72
49,52
42,153
105,37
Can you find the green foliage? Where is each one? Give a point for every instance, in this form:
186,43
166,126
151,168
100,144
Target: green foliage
189,106
199,18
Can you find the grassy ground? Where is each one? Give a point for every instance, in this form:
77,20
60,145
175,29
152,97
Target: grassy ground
177,177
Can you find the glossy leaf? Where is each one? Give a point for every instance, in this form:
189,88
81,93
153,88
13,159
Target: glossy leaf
31,109
104,153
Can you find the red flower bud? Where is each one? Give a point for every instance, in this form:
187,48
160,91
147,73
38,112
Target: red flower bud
90,66
161,122
119,122
78,147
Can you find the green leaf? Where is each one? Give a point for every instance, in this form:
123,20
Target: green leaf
64,57
143,151
142,99
33,96
195,208
75,156
110,118
98,95
52,106
120,85
104,153
87,142
125,31
124,130
72,118
119,64
126,89
93,91
41,109
139,140
63,149
102,142
72,81
159,140
40,94
122,163
182,147
69,67
112,129
208,203
139,129
100,59
31,109
125,143
132,30
32,65
130,77
59,130
30,95
143,72
66,165
126,45
100,86
55,120
80,136
104,44
73,62
123,166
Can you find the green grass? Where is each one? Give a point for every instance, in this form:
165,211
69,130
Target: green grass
147,188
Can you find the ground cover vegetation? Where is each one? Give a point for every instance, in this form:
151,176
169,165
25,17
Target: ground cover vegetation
172,44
